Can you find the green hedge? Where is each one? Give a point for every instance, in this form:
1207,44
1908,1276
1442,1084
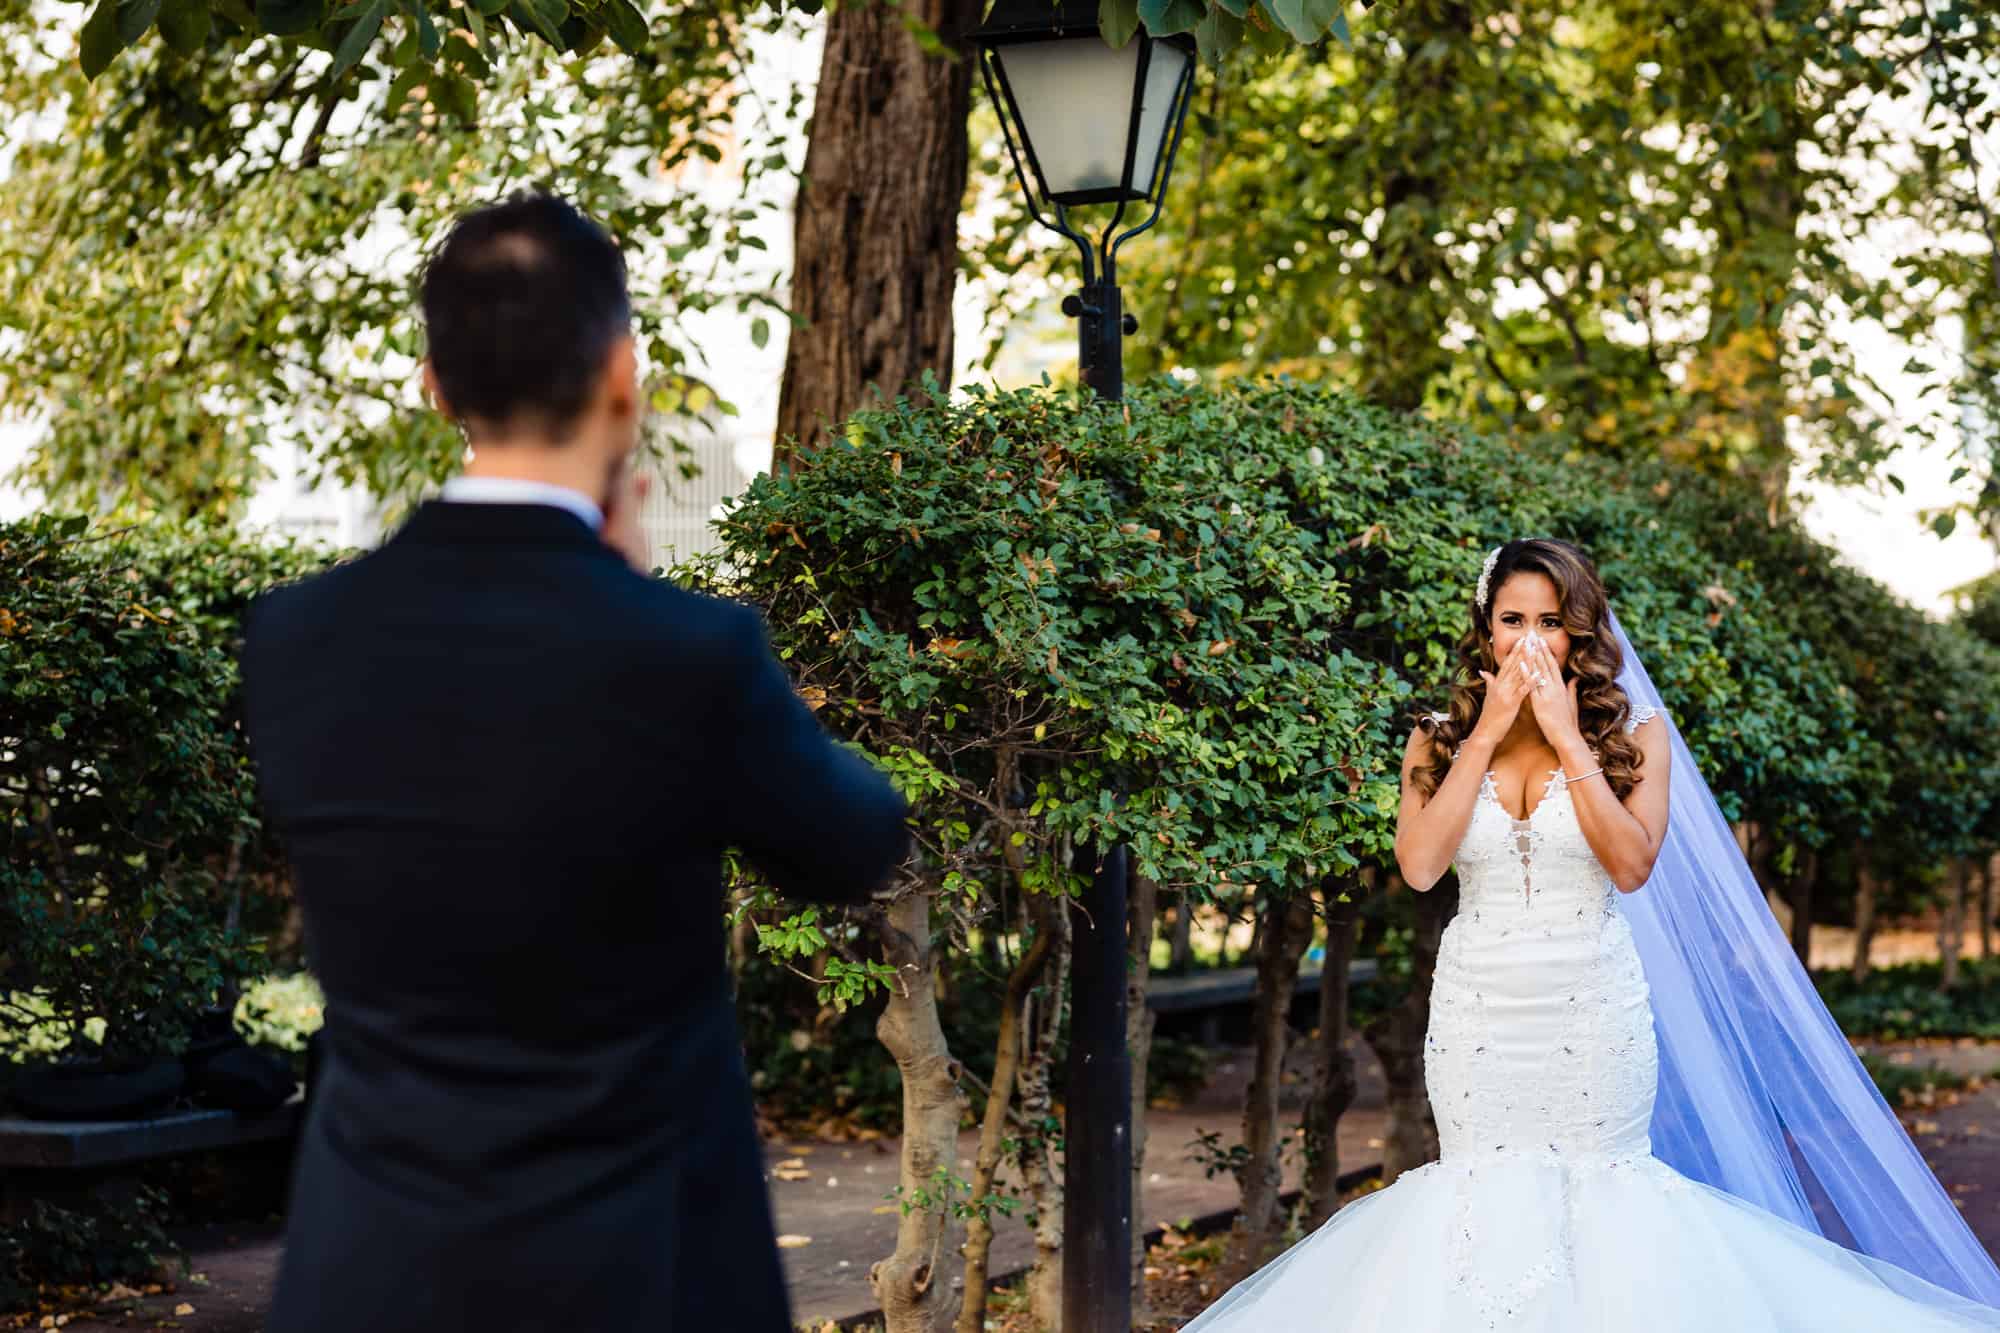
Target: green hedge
130,831
1227,603
1907,1000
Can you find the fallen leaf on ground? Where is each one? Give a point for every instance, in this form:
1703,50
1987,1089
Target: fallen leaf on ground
790,1242
183,1309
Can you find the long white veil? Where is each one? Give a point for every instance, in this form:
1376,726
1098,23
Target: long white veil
1760,1094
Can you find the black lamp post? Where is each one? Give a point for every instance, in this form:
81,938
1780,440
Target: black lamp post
1087,123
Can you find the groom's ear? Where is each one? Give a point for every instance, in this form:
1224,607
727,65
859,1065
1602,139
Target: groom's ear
435,391
620,388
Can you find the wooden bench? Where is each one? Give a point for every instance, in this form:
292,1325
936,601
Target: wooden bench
1208,994
57,1159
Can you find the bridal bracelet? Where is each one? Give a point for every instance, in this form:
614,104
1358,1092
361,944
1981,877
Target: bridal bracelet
1581,776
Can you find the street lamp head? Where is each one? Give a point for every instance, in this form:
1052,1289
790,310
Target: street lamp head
1095,123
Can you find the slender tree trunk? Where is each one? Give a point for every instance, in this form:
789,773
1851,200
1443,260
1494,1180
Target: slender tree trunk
1041,1174
1181,943
1258,924
1398,359
1951,922
1335,1083
1287,931
993,1127
742,943
1865,889
1985,909
906,1284
875,229
1804,884
1397,1038
1142,912
1756,252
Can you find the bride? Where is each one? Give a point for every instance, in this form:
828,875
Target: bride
1648,1121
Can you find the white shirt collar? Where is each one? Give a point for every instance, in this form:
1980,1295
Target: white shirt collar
519,491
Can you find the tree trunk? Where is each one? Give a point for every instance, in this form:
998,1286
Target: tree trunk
1865,889
1985,908
906,1283
1180,946
875,228
742,942
1802,886
993,1127
1951,923
1335,1083
1041,1174
1287,931
1397,1038
1755,267
1141,912
1399,359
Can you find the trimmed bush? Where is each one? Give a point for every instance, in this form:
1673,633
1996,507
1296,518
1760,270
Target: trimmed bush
127,816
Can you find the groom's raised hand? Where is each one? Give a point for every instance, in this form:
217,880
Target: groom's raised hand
622,532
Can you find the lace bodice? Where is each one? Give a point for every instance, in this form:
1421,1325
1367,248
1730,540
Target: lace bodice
1538,1014
1505,862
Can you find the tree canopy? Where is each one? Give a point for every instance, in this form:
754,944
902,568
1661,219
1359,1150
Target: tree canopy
1635,227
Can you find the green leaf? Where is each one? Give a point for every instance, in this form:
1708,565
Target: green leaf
1943,524
1218,34
289,18
135,19
100,39
1118,20
359,38
544,18
455,94
1239,8
184,24
1305,20
760,331
429,41
405,82
626,25
1165,18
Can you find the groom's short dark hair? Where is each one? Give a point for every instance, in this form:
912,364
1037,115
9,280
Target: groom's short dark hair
522,301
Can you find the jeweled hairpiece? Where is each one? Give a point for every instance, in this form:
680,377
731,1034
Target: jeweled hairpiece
1485,588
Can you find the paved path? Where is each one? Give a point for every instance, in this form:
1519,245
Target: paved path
1962,1141
841,1202
852,1224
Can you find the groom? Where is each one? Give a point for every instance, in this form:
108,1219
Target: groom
505,765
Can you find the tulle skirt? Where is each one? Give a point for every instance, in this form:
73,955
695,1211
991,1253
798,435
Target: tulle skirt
1537,1242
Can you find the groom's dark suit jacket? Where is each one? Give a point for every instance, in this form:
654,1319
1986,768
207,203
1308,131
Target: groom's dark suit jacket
505,767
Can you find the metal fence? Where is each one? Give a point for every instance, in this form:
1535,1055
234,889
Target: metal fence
680,510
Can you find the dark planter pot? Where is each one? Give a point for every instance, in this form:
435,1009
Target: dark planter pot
94,1092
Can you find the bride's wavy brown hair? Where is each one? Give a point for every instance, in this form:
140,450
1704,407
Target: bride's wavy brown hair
1594,659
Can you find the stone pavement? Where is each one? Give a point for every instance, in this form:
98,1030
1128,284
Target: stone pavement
1962,1141
842,1207
840,1203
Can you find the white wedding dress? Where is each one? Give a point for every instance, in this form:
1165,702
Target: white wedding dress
1548,1212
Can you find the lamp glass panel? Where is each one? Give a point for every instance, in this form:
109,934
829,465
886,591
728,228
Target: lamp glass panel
1163,76
1074,97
